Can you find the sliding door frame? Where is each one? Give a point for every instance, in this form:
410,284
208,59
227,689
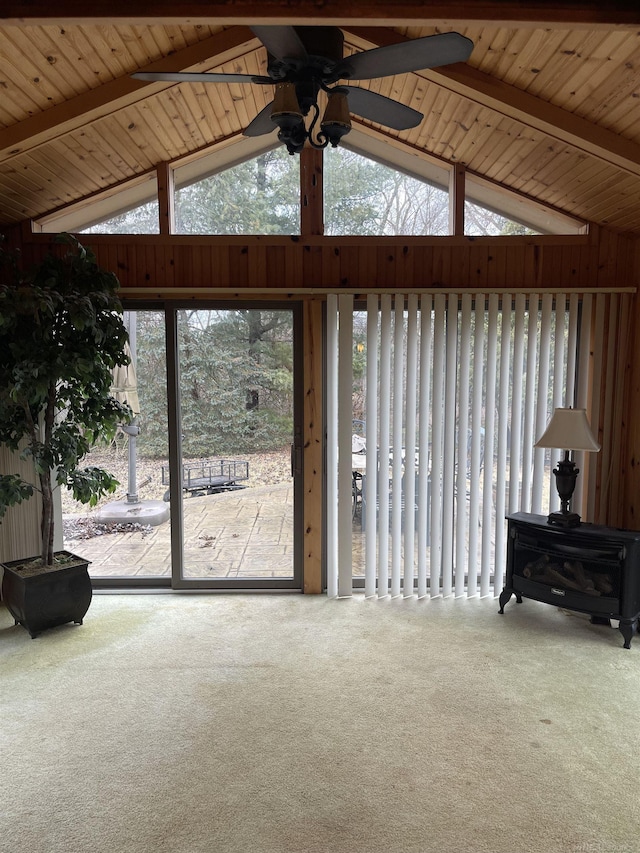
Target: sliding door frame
248,584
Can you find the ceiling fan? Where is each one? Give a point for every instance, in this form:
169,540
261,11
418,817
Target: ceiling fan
303,61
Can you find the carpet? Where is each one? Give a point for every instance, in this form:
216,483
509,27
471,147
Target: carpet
298,724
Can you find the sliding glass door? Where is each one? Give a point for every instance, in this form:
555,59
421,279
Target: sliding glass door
233,502
208,495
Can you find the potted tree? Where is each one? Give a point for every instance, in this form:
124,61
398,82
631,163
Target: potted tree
61,335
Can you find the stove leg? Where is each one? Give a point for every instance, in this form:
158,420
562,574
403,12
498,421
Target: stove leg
628,627
505,595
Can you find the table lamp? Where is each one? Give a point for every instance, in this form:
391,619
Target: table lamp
568,430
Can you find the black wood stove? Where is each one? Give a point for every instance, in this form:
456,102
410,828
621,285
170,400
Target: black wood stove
589,568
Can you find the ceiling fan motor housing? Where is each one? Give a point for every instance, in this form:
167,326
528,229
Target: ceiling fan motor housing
322,50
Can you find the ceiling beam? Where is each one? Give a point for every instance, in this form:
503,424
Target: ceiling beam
373,12
122,92
466,81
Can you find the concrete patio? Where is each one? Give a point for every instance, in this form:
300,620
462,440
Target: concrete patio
236,534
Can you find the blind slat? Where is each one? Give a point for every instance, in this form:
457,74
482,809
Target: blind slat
332,445
370,489
410,468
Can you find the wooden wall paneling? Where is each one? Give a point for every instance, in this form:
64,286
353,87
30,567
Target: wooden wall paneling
369,268
626,471
168,265
498,266
197,259
183,266
550,272
313,473
603,459
630,245
328,261
276,264
555,271
463,259
366,269
593,253
588,263
130,264
113,262
220,274
348,267
624,261
446,267
631,468
620,348
137,263
294,264
158,268
389,268
257,267
607,258
611,380
238,266
575,260
534,261
478,267
595,406
147,268
435,268
405,264
531,262
141,265
512,275
213,268
408,264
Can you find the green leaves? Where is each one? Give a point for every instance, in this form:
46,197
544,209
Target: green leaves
13,490
90,484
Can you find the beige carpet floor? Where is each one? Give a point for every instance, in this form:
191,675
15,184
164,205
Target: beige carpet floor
290,724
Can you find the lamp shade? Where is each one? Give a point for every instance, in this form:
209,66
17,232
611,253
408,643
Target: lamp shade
568,429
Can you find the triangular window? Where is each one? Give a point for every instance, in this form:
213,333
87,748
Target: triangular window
259,196
138,220
365,198
481,221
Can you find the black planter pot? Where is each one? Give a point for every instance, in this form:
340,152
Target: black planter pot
40,598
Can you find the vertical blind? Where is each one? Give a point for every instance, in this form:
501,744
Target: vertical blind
457,388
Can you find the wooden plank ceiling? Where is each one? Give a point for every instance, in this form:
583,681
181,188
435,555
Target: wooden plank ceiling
549,109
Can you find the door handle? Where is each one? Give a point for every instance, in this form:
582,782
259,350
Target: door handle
296,460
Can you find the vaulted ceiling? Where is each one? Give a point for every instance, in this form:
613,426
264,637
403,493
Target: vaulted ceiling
547,108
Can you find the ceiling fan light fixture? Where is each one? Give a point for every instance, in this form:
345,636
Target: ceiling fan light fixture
294,137
285,111
336,121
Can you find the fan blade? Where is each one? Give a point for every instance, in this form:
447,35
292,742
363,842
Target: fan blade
382,110
200,77
281,42
262,123
401,58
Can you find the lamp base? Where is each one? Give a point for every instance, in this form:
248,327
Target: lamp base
564,519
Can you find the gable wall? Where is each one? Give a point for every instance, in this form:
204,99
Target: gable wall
170,266
306,269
